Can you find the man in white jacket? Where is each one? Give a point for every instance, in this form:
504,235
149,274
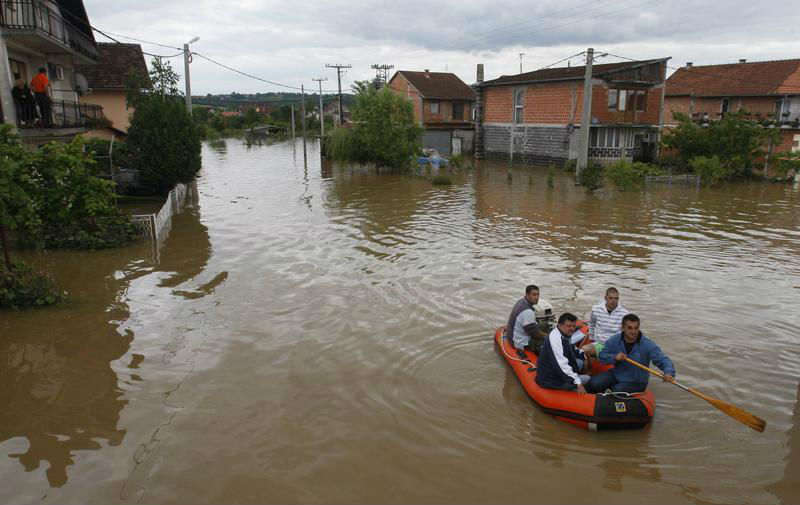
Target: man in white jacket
605,320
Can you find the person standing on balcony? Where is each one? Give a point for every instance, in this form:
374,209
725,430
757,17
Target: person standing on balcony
24,101
39,85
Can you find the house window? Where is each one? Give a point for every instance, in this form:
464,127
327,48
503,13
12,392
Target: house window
623,99
18,70
458,110
605,137
613,99
782,107
434,107
519,105
725,107
640,100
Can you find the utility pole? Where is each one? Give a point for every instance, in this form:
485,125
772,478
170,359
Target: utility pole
293,121
303,111
339,68
382,72
586,116
520,61
187,58
321,111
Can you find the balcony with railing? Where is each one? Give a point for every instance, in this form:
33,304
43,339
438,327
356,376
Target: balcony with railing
34,17
59,114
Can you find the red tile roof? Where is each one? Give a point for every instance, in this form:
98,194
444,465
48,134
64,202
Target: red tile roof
442,85
737,79
569,73
114,64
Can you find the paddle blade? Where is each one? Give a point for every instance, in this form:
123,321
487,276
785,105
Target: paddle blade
740,415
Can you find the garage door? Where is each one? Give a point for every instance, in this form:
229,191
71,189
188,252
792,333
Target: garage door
439,140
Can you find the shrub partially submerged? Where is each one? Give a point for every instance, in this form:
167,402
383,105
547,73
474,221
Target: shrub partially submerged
22,286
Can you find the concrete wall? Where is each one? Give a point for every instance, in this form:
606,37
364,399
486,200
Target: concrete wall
535,144
114,106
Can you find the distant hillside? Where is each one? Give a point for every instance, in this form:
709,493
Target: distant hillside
276,100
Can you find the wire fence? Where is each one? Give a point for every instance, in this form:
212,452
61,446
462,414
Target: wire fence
156,226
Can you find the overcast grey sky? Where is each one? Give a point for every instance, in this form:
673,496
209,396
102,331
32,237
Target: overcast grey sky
290,42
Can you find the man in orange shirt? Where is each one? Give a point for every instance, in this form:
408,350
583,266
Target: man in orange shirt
39,85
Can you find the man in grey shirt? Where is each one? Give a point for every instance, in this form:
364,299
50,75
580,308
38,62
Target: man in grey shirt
522,328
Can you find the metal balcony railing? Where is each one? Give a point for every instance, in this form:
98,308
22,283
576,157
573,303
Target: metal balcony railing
61,114
39,17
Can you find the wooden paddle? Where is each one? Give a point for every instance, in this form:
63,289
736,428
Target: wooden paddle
740,415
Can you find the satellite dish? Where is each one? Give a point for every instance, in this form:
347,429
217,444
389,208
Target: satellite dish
81,84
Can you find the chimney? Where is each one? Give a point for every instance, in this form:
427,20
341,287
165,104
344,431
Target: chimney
689,64
742,60
427,73
480,72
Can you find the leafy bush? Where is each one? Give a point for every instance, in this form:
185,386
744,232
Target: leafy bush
385,132
571,165
441,180
626,175
735,140
103,233
591,176
120,154
551,174
710,169
22,286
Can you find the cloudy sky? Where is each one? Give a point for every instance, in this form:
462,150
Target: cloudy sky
290,42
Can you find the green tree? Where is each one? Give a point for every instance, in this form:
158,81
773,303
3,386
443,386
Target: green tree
735,140
17,206
163,139
385,131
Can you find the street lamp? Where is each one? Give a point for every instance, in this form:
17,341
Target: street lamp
187,58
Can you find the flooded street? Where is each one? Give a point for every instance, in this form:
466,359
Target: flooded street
323,334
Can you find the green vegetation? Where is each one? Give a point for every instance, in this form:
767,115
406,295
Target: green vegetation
592,176
384,132
710,169
441,180
22,286
735,141
551,174
571,165
626,175
163,140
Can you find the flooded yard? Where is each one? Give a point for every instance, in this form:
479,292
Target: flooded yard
321,333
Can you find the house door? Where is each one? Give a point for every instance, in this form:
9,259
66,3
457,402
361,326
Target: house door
456,146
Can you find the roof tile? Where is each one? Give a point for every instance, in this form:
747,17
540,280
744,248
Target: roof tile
443,85
114,65
754,78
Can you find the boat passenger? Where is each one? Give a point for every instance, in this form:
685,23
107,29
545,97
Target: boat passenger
522,326
605,319
625,377
557,366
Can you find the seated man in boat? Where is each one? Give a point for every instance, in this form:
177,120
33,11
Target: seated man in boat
604,320
625,377
522,328
557,366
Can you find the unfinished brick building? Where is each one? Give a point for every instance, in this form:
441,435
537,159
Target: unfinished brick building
534,117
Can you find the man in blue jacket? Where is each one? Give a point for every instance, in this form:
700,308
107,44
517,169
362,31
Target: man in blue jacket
625,377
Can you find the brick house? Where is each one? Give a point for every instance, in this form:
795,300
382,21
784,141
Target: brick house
534,117
443,105
768,90
108,84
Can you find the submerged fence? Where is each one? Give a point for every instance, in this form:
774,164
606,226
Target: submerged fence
156,227
683,179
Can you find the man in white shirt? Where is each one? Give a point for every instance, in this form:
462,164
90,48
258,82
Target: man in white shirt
605,320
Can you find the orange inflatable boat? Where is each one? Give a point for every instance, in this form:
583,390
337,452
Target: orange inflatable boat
595,412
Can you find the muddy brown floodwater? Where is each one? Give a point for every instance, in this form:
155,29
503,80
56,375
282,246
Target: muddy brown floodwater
323,334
